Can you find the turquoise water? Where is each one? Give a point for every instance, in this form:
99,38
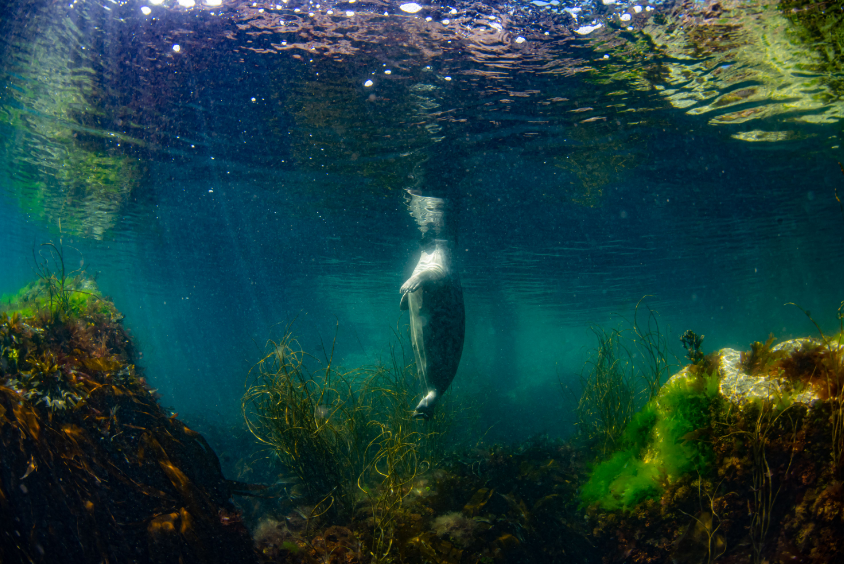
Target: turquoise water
251,178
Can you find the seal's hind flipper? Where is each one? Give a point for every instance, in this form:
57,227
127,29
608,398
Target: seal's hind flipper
426,406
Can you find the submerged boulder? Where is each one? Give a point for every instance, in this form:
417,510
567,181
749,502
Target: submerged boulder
740,455
762,373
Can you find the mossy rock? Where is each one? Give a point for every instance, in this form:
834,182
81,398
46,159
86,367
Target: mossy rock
661,444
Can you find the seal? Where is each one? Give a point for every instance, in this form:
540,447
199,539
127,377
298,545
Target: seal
434,298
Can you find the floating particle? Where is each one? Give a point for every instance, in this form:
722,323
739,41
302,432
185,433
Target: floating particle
368,83
410,7
187,3
145,11
625,17
214,2
637,9
176,48
520,39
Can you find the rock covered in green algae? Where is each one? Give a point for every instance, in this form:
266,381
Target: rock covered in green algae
772,481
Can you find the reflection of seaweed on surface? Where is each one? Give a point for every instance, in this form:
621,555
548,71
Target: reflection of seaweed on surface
92,468
819,26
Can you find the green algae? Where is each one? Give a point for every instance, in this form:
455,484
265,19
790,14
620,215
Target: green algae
34,298
57,294
662,442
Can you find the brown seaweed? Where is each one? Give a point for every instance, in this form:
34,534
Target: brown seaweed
93,469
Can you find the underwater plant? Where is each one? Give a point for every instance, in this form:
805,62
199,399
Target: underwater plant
703,540
57,295
59,333
607,399
761,357
346,434
44,383
387,480
692,343
825,367
652,346
456,527
664,441
295,414
766,491
93,469
765,494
